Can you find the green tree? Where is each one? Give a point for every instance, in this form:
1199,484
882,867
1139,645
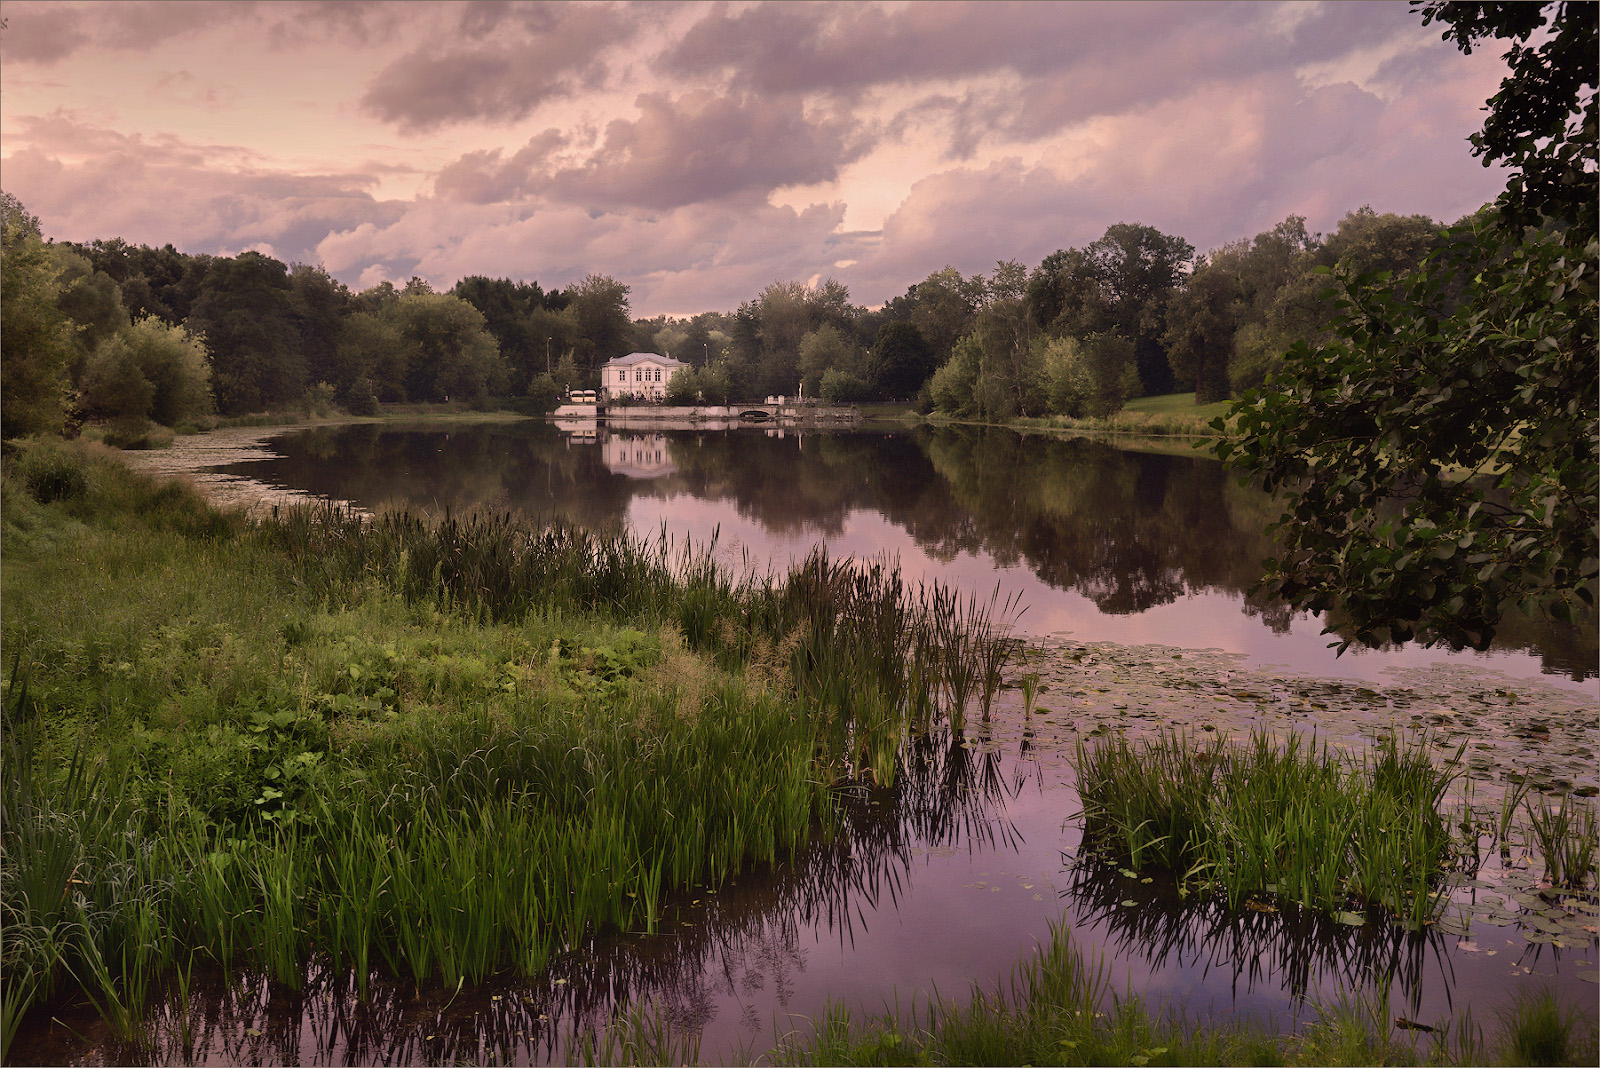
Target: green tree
1439,449
684,386
1139,268
319,304
452,354
827,349
91,299
841,386
515,314
543,394
1087,376
245,314
114,387
371,359
148,370
902,360
36,337
1228,301
598,316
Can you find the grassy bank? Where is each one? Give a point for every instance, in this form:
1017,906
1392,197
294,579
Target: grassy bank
430,751
1173,416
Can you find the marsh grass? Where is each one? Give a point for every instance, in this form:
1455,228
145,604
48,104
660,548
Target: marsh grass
432,750
1268,818
1537,1029
1567,839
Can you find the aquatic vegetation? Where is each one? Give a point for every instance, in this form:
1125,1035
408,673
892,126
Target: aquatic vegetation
1274,818
1567,838
439,751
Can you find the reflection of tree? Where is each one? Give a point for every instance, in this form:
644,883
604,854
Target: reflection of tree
1293,951
1130,531
714,946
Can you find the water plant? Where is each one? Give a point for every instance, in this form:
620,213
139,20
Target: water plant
1566,837
1269,817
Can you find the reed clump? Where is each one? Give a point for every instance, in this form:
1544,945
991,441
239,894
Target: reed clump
433,751
1291,819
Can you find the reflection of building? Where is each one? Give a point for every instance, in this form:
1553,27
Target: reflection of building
643,374
641,456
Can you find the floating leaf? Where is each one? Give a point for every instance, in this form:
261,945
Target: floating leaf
1350,919
1130,903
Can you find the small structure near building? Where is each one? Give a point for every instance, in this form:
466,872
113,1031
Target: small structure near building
639,374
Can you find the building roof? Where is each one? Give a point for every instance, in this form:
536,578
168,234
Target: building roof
637,357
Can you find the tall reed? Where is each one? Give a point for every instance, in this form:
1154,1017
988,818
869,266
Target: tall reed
1288,817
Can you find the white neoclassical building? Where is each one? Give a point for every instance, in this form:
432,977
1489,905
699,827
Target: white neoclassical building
643,374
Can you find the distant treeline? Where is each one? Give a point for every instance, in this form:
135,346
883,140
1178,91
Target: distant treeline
127,333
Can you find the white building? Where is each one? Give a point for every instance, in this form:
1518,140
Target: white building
643,374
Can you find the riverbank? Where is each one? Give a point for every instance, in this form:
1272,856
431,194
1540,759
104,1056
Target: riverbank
1147,418
253,687
447,751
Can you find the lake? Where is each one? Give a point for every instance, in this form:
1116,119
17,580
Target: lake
1095,542
1131,570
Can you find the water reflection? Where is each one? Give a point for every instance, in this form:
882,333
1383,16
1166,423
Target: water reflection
740,946
1116,545
1295,951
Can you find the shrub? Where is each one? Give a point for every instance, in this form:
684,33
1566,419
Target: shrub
53,473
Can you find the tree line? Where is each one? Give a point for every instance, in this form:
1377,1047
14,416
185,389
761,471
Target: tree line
123,333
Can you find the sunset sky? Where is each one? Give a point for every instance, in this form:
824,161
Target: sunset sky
699,151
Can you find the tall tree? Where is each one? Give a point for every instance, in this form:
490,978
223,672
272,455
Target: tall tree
1138,268
902,360
1227,301
515,314
245,314
598,312
36,337
453,356
1479,367
319,305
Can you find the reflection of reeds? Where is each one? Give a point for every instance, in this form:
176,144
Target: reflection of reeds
1274,948
1270,818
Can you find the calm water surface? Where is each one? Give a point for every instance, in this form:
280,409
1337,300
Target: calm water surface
1096,542
955,873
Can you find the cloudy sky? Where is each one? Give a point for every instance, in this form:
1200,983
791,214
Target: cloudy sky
699,151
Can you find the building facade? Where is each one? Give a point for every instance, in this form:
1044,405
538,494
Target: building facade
641,374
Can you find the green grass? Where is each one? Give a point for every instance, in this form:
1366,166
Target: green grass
1177,404
1269,819
1174,415
438,751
